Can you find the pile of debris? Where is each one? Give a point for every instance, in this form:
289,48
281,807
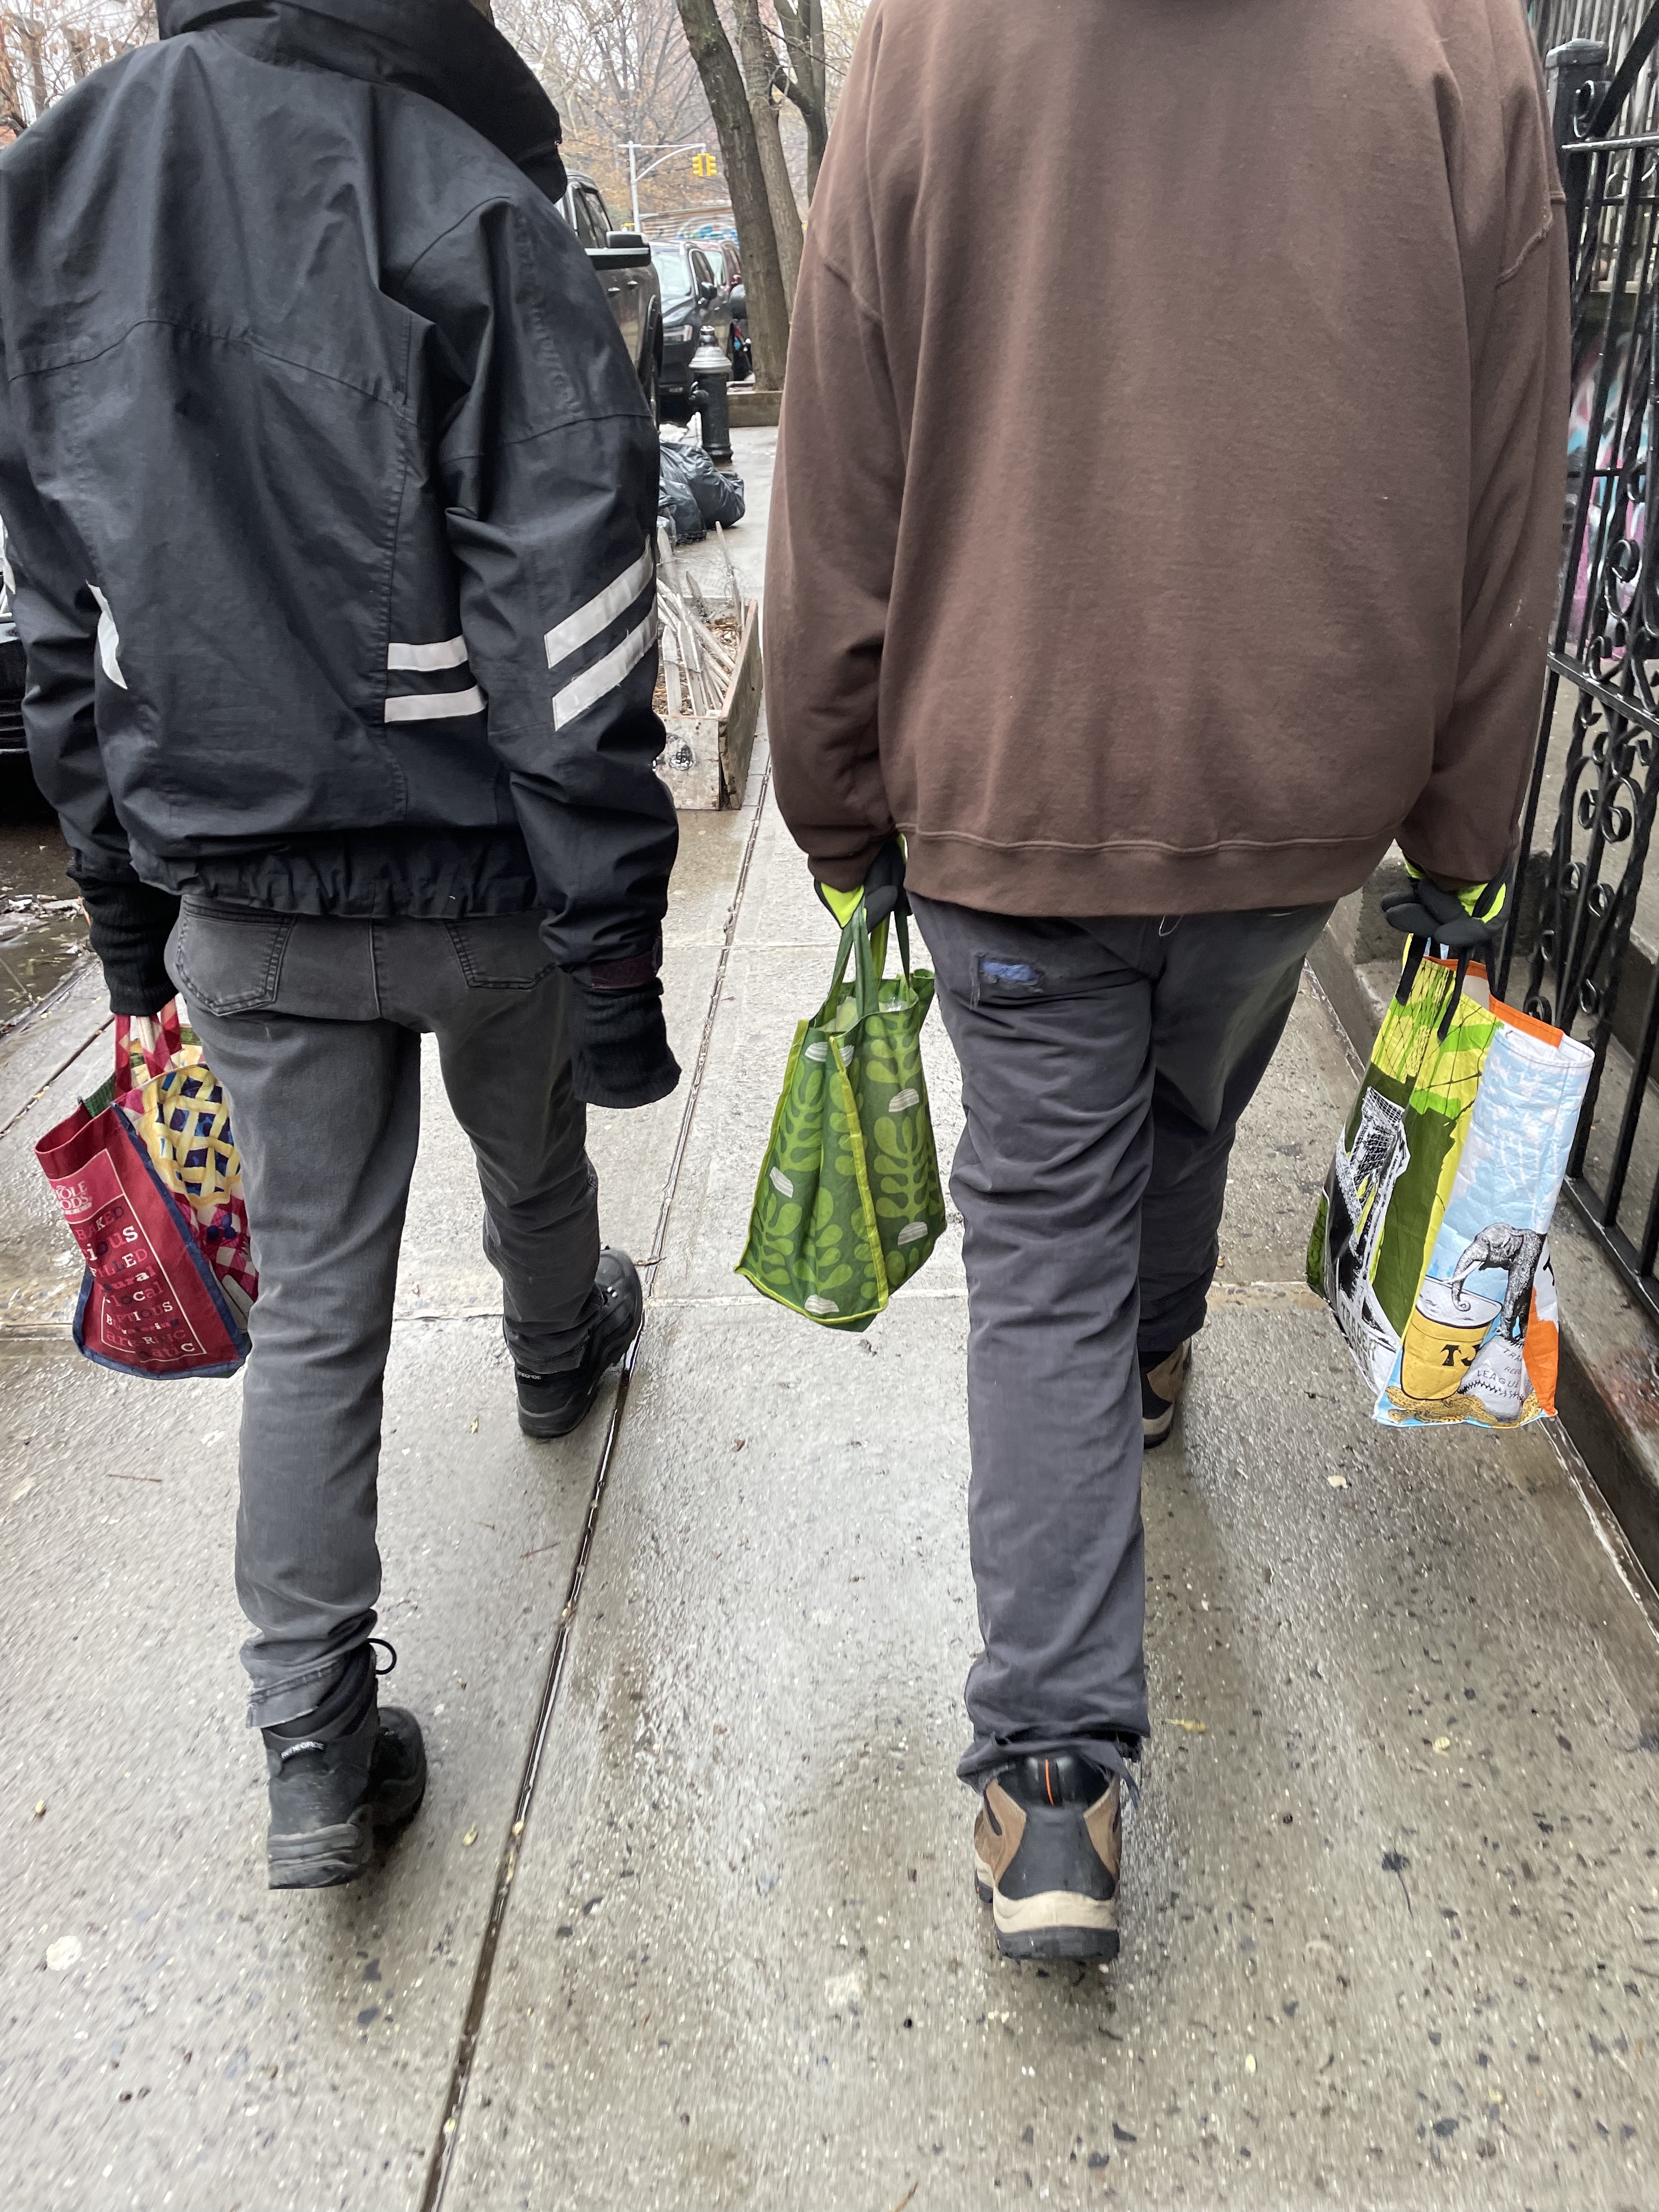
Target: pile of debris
701,632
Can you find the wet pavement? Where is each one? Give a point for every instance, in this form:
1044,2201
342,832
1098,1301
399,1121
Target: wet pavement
42,929
1391,1904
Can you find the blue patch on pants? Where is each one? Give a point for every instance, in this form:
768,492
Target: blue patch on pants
1005,979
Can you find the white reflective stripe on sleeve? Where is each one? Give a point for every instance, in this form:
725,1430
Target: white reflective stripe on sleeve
436,706
587,689
448,652
604,607
109,639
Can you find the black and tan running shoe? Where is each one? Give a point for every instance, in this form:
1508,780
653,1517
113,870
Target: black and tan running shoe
1161,1386
1048,1845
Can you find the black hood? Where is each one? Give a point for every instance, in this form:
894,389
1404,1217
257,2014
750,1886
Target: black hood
444,49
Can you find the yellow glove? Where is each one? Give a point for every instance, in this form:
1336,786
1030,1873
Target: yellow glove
882,889
1481,902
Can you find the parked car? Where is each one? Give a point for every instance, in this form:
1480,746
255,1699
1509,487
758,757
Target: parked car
13,674
723,259
693,296
622,262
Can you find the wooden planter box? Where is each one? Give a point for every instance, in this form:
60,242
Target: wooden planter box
705,763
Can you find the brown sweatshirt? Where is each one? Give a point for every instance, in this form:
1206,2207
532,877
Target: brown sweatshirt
1170,489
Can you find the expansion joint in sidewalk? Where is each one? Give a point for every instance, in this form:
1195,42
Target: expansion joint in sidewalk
442,2159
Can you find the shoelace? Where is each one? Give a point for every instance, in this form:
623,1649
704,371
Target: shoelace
315,1743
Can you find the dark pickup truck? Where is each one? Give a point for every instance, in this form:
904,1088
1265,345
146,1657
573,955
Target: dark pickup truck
621,262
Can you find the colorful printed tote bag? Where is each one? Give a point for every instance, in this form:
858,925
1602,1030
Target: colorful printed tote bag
1430,1242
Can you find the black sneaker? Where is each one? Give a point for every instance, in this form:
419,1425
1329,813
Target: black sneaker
1161,1386
1048,1845
335,1775
553,1405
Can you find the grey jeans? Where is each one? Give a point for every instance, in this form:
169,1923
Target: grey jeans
1104,1066
314,1026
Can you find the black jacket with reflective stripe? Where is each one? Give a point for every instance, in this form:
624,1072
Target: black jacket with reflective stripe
328,485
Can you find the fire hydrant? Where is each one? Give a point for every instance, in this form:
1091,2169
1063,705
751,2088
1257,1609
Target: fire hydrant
711,372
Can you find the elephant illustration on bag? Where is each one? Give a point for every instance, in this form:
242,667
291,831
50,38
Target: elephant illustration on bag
1516,1253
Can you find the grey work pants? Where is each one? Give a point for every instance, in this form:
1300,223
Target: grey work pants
1104,1066
314,1026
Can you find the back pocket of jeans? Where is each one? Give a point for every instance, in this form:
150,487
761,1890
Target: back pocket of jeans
1000,982
227,960
500,951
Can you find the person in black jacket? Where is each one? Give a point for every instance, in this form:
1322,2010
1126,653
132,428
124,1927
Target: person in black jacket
329,491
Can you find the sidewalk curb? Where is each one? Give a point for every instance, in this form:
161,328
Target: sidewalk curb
754,409
1607,1396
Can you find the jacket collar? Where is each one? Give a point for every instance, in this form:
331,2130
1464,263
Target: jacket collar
444,49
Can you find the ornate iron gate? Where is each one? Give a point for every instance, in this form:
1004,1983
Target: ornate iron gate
1582,937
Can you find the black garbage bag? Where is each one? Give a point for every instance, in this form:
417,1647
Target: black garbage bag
677,503
693,493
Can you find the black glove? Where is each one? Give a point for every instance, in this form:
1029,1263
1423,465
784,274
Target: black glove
619,1053
1464,922
883,889
131,924
1423,909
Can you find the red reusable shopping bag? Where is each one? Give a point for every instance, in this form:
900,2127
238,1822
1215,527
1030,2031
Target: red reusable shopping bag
148,1176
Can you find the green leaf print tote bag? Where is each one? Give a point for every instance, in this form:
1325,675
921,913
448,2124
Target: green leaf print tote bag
848,1204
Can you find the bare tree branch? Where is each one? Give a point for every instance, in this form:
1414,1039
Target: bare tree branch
801,27
56,45
761,72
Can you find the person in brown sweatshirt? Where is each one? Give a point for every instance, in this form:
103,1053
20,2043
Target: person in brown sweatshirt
1166,519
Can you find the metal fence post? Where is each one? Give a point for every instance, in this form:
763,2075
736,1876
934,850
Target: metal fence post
1575,76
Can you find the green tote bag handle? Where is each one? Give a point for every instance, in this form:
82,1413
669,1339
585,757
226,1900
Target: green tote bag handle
867,956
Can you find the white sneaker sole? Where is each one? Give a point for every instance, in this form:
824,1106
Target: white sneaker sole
1053,1924
1051,1908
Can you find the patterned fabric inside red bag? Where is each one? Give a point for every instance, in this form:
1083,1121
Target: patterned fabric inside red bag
147,1176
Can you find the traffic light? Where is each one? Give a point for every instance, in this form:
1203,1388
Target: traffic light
704,165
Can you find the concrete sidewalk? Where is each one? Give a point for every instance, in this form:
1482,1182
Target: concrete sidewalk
1392,1900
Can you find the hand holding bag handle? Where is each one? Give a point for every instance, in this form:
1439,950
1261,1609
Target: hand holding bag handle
1465,922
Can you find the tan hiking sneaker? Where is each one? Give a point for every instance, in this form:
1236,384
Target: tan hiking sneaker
1048,1845
1160,1390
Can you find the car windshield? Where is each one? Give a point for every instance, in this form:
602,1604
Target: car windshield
676,272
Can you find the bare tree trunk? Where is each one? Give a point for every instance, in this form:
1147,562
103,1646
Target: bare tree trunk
734,123
12,118
29,37
809,78
760,70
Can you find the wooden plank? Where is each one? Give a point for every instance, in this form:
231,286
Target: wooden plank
691,762
742,711
705,763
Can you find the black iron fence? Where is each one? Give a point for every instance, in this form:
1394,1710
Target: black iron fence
1584,933
1612,24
